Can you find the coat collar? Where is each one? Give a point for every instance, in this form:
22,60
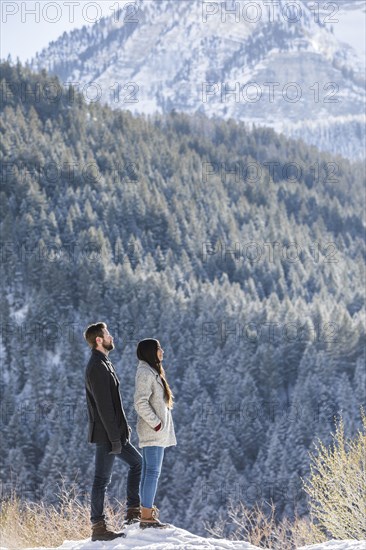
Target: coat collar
101,355
144,365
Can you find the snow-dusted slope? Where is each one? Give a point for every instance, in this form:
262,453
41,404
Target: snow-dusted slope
179,539
297,77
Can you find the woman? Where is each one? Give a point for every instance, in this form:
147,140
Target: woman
153,403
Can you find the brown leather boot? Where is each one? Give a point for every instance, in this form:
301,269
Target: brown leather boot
133,515
149,518
100,531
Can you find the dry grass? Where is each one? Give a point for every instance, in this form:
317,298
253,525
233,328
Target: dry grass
27,524
337,484
261,529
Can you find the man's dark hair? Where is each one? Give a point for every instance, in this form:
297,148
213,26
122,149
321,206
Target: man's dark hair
94,331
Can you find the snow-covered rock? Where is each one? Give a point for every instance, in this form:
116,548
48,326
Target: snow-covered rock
178,539
154,539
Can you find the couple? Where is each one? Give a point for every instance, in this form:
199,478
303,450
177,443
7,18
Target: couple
108,428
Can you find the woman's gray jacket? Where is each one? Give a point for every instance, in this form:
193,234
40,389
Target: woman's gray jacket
152,409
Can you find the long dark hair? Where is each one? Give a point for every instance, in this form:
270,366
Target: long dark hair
147,350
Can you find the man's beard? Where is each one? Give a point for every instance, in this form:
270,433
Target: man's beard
108,346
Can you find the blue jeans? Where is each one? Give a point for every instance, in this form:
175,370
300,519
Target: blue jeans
103,473
152,459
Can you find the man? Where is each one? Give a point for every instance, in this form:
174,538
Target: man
108,428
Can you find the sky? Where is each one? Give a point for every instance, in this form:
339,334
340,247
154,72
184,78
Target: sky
28,26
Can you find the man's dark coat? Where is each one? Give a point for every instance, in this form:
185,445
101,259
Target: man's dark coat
107,419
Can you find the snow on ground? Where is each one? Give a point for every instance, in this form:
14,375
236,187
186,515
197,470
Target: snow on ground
337,545
157,539
179,539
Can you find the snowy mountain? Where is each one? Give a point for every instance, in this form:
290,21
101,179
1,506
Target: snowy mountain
290,70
